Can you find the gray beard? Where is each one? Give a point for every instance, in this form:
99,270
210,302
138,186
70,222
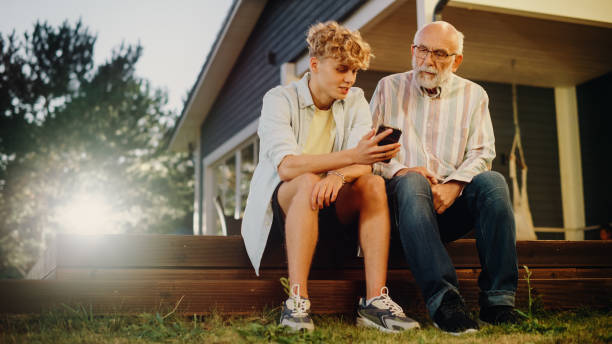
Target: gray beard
430,83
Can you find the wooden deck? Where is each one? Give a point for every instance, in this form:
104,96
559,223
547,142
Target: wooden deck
136,273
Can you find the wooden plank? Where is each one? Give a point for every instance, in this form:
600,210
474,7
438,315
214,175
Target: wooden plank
240,297
163,251
275,274
135,250
560,253
554,294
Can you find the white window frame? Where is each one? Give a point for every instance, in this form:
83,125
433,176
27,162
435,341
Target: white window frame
233,146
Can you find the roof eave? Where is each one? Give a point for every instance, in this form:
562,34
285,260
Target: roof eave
237,28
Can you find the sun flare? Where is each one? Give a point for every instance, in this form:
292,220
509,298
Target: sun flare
86,214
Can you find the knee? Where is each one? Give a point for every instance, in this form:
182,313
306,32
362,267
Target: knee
492,193
492,178
413,184
306,182
371,188
492,185
412,194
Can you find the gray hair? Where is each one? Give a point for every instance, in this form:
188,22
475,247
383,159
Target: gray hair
460,37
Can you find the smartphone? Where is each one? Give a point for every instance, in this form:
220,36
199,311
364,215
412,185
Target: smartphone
391,138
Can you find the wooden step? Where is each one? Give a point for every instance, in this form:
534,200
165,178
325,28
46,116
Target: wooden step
245,296
175,251
136,273
274,274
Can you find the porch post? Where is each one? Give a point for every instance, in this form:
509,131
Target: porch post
570,162
288,73
425,10
208,201
197,199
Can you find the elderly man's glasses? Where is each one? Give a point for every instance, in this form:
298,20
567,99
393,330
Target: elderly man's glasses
421,52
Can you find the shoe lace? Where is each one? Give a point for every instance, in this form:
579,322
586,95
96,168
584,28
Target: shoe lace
393,307
300,305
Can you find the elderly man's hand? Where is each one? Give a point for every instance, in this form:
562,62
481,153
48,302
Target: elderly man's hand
444,195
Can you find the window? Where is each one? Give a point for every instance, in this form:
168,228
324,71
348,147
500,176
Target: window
232,178
248,162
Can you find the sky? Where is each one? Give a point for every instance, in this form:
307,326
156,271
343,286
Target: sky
176,35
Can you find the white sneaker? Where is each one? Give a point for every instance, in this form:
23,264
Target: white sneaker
384,314
295,311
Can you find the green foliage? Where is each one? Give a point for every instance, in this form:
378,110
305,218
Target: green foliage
534,306
156,327
529,313
68,127
284,281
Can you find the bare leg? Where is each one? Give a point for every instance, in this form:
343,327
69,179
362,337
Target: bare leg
366,197
301,227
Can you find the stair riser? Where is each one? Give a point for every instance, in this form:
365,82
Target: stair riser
246,296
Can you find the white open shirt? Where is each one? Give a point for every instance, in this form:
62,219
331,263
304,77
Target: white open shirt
283,129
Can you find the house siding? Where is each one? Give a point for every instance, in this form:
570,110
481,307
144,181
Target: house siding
537,118
595,121
280,31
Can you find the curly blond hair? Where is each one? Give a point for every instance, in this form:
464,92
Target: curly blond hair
330,39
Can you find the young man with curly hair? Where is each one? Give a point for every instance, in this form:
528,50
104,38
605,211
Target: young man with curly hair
314,171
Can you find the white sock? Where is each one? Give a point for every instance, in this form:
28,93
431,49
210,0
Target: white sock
368,301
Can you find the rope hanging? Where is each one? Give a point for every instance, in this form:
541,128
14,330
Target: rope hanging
520,202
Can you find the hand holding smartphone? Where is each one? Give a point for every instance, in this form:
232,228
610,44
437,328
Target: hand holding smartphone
389,139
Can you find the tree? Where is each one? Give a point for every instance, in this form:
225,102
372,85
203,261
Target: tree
70,128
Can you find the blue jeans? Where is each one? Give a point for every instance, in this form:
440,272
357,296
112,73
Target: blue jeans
484,206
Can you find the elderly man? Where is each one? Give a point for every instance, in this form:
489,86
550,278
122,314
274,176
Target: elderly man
440,185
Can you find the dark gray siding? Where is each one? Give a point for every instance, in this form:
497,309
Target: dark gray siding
280,33
538,133
595,120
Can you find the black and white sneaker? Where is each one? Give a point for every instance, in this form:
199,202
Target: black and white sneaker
384,314
452,317
295,311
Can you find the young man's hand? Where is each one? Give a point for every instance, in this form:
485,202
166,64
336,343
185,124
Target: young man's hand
444,195
368,151
420,170
325,191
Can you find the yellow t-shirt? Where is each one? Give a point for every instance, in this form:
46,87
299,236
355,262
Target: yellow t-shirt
321,134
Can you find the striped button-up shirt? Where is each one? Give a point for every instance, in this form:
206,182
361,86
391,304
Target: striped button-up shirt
450,133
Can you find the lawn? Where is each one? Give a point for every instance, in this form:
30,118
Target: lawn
80,326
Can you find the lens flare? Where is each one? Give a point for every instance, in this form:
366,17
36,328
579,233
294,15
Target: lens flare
86,214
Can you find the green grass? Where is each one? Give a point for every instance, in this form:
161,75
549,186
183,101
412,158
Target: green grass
80,326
